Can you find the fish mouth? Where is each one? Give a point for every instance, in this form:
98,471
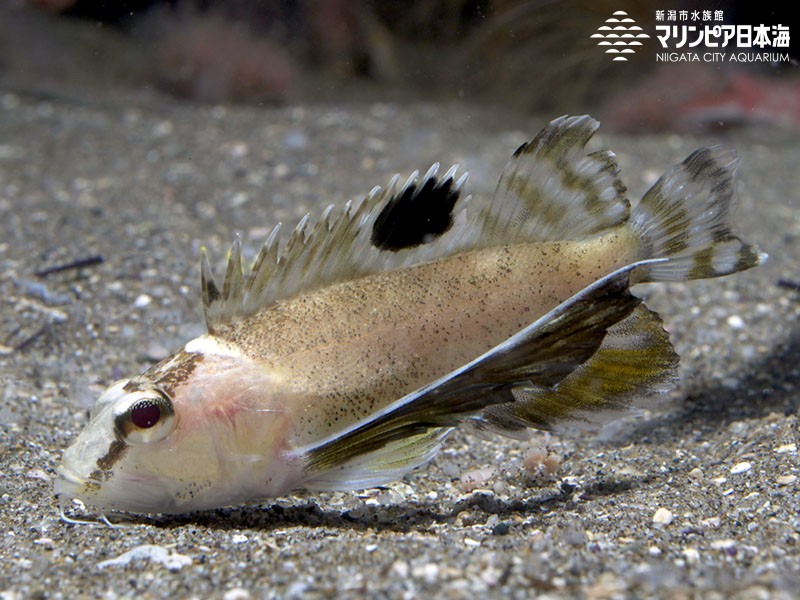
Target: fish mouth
67,479
106,496
69,486
67,482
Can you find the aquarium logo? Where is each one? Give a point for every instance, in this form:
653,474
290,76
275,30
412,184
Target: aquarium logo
620,35
695,36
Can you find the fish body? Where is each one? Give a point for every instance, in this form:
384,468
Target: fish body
403,328
343,359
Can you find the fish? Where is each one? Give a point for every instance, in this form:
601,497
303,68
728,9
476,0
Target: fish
343,358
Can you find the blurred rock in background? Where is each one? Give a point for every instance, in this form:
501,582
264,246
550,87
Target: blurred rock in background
530,55
54,56
208,57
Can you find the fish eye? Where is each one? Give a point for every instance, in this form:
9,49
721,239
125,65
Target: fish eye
146,416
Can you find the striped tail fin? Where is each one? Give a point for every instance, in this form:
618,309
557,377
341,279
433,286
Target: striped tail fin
686,217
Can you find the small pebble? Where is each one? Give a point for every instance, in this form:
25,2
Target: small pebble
501,529
38,474
741,467
236,593
663,516
786,479
475,479
696,474
470,543
236,149
400,568
727,546
691,555
735,322
163,128
45,542
142,300
239,199
295,140
428,572
297,589
711,522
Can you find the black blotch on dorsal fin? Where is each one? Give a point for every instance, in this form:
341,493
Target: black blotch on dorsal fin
418,214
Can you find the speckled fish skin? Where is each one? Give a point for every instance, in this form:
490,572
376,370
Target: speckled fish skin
344,358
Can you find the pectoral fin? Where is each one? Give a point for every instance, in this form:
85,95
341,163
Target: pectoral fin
410,430
635,362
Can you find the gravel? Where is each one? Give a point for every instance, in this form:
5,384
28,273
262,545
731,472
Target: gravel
697,498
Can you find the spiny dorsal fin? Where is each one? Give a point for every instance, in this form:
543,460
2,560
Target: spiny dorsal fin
552,190
391,228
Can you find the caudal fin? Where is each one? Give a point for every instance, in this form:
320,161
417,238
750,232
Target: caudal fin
686,218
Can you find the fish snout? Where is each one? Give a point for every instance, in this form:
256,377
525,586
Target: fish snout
67,483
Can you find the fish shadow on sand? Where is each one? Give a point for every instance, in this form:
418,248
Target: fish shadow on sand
769,386
399,518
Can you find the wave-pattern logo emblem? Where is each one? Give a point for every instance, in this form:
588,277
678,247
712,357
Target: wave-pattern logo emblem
621,34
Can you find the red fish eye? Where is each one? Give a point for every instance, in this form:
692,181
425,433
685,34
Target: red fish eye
144,417
145,414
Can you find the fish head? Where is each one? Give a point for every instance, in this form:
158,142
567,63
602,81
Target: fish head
113,463
216,438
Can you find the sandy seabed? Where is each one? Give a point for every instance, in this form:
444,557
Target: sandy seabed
698,498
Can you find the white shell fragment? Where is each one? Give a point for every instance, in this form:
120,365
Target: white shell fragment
741,467
158,554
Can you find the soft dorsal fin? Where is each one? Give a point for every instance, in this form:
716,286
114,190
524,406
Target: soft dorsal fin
391,228
552,190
